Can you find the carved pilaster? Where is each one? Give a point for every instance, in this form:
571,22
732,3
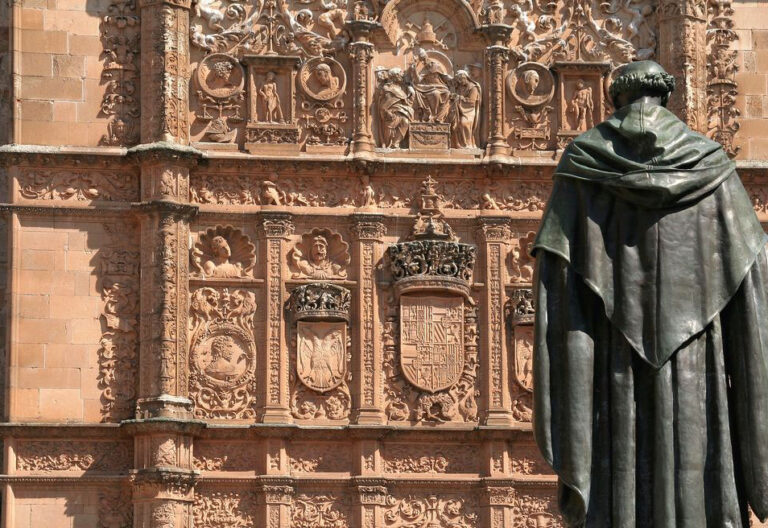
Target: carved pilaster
164,65
497,57
683,53
276,228
368,232
362,139
495,233
498,502
277,497
721,79
371,501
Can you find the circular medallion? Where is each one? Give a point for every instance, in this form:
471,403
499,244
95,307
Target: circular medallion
224,357
322,78
220,75
531,84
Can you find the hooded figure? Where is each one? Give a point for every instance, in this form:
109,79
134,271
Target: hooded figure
651,345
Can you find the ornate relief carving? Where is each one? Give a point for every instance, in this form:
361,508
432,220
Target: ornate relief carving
224,509
225,456
115,508
721,75
312,457
521,261
443,511
43,184
220,80
43,456
223,252
222,353
321,254
118,346
320,376
417,458
520,313
530,510
318,511
120,33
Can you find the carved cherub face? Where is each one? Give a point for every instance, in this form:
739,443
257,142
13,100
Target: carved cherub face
220,247
319,250
222,347
531,80
323,74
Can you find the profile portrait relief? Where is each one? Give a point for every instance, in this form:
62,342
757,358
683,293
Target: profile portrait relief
322,79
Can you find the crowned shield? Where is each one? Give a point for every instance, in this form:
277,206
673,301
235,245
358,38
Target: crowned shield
432,340
524,356
321,359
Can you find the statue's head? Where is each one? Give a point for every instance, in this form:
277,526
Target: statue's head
641,79
531,80
319,250
222,347
220,247
323,74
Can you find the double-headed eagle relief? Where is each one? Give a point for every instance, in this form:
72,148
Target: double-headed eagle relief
343,76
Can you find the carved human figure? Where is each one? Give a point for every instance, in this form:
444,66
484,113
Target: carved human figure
395,107
431,88
322,82
220,266
270,100
581,106
317,265
220,75
222,367
270,192
332,20
650,352
531,80
494,12
466,110
367,194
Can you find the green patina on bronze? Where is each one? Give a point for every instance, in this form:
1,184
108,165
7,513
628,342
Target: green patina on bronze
651,347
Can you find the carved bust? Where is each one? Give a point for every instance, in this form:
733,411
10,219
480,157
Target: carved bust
321,254
223,253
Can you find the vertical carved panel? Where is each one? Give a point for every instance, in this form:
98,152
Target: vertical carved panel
721,75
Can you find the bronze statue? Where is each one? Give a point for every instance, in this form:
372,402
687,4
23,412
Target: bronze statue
651,346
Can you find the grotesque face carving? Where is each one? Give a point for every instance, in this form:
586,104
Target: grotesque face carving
319,251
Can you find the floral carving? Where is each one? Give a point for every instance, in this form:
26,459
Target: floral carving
42,456
115,508
214,456
223,252
532,511
445,511
120,34
224,509
118,346
318,511
222,353
721,75
320,254
42,184
404,458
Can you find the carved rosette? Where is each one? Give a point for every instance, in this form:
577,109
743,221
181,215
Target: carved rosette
222,358
320,372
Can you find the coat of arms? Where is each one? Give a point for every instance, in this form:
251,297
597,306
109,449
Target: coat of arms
432,340
321,361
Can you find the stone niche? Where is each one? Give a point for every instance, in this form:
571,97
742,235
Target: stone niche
432,361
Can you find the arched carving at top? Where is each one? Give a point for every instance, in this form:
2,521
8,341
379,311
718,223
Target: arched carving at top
401,17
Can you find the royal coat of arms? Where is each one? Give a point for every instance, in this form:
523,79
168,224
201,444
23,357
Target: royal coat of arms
321,361
432,340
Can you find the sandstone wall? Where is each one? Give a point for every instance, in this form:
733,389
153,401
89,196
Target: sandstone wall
750,22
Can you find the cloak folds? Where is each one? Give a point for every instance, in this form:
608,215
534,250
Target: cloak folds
651,347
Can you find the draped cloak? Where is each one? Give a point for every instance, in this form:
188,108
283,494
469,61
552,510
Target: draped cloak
651,333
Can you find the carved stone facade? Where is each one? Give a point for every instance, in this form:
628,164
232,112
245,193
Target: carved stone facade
289,285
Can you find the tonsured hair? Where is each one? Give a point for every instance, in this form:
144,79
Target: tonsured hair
660,83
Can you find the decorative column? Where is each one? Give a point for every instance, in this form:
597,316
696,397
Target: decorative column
277,495
164,65
361,51
372,498
368,231
495,233
498,501
497,55
682,50
276,228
